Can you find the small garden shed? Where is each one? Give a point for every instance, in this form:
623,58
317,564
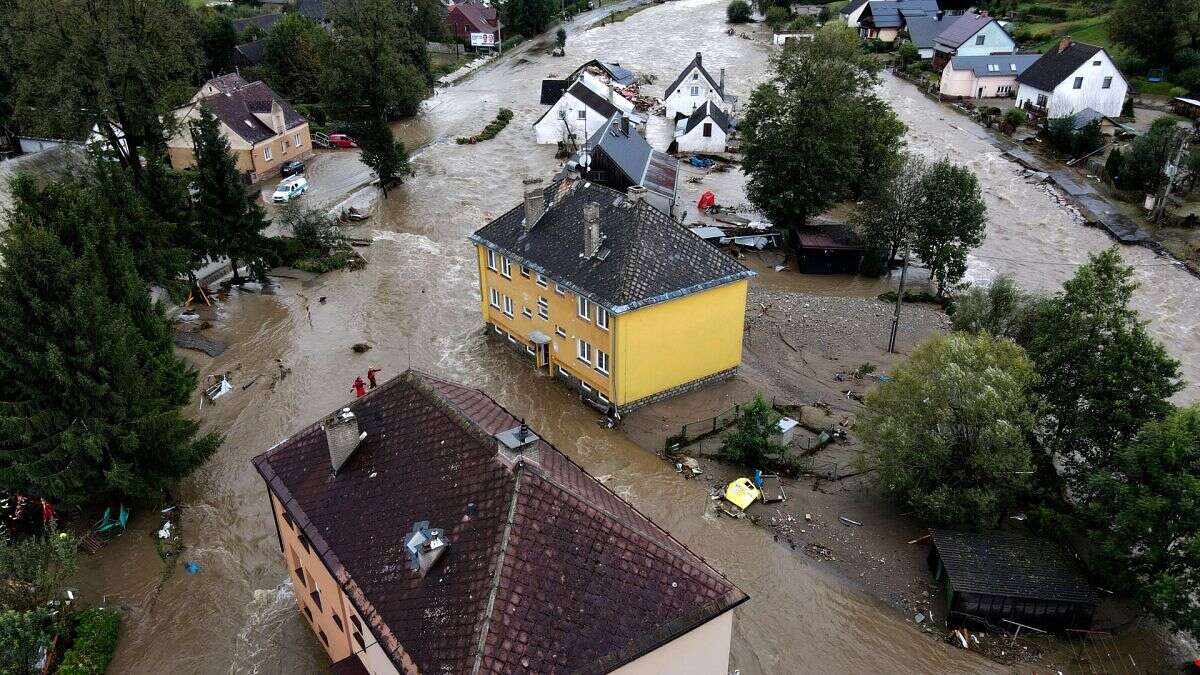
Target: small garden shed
993,576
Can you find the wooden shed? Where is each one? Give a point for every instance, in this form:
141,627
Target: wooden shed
829,248
1187,106
994,576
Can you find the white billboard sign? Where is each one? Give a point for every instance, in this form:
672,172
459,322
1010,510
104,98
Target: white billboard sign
483,39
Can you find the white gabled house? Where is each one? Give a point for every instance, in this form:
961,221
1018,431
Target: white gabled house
971,35
1070,78
584,105
852,11
693,88
705,130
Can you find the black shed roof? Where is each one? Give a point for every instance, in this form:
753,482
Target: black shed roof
1007,564
646,257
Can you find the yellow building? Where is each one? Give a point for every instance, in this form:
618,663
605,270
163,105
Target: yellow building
610,295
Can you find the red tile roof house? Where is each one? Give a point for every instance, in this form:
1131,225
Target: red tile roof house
464,18
427,530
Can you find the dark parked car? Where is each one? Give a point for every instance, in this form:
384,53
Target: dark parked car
291,168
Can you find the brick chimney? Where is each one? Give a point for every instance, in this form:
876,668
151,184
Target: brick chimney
342,436
1064,44
591,230
535,202
722,80
518,444
635,193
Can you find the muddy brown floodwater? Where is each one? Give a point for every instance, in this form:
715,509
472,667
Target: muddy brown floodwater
415,303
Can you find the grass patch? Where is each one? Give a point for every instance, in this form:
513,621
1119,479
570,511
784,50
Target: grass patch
626,13
1092,30
95,641
1140,85
489,132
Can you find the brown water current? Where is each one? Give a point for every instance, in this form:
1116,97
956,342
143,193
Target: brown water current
416,304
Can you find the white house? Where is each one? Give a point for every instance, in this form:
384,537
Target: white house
705,130
971,35
993,76
583,107
852,11
1071,77
693,88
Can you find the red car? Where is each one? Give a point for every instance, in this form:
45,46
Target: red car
342,141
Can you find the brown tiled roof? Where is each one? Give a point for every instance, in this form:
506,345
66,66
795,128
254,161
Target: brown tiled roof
483,18
547,570
239,100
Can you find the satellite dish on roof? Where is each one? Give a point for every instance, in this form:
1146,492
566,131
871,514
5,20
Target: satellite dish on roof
585,159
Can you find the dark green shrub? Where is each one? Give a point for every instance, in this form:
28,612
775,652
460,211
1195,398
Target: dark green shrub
95,641
738,11
778,17
751,439
489,132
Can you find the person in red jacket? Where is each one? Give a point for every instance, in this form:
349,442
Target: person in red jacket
371,376
360,387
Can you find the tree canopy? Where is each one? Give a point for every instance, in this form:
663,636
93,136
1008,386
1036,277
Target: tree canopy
1102,375
949,432
807,132
1000,308
1145,517
950,223
296,55
90,384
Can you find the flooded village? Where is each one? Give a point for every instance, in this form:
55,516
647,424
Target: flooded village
569,396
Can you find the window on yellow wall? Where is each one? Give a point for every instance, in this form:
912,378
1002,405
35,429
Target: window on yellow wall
494,298
508,307
324,639
584,308
492,260
560,331
296,140
307,611
505,267
526,313
543,308
316,598
601,317
559,289
300,575
542,281
524,271
267,153
602,361
583,351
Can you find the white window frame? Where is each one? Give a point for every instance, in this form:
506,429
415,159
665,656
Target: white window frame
508,307
695,91
492,260
559,289
524,271
563,371
583,308
505,267
602,363
585,386
543,308
1078,83
542,280
601,317
980,40
267,153
560,331
583,351
526,312
1107,83
297,140
529,350
602,397
497,329
582,114
494,298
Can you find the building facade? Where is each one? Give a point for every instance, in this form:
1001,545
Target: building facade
984,76
1072,77
585,105
651,310
693,88
705,130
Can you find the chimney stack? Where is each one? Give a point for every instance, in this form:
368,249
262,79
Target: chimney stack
722,84
591,229
1064,44
624,124
343,437
518,444
535,202
635,193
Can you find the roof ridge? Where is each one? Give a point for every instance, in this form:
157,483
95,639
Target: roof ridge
498,569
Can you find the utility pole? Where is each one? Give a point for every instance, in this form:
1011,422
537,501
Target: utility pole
899,301
1172,170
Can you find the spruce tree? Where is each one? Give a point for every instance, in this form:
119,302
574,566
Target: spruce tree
90,387
231,222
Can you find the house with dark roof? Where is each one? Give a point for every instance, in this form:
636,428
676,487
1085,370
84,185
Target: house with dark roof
971,35
853,10
317,10
826,247
250,54
425,529
705,130
578,107
884,19
693,88
922,30
995,577
611,71
261,23
472,17
263,130
610,295
617,156
1070,77
993,76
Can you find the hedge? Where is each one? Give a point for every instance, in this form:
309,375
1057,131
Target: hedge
95,641
489,132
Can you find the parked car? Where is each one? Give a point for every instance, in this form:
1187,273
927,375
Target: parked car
291,168
290,189
342,141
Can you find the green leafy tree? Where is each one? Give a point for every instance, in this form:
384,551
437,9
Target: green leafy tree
22,637
1103,376
948,433
801,133
907,54
217,40
738,11
428,19
376,73
1146,517
1147,26
951,222
1148,156
1000,308
777,17
1015,117
384,154
295,57
528,17
89,380
1060,131
560,39
887,218
33,569
1114,164
750,440
95,642
1087,140
118,66
232,222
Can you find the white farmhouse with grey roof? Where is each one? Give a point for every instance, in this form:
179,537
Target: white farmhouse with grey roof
992,76
583,106
705,130
1070,77
693,88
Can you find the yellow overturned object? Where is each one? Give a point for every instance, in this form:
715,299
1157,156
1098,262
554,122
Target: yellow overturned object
742,493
